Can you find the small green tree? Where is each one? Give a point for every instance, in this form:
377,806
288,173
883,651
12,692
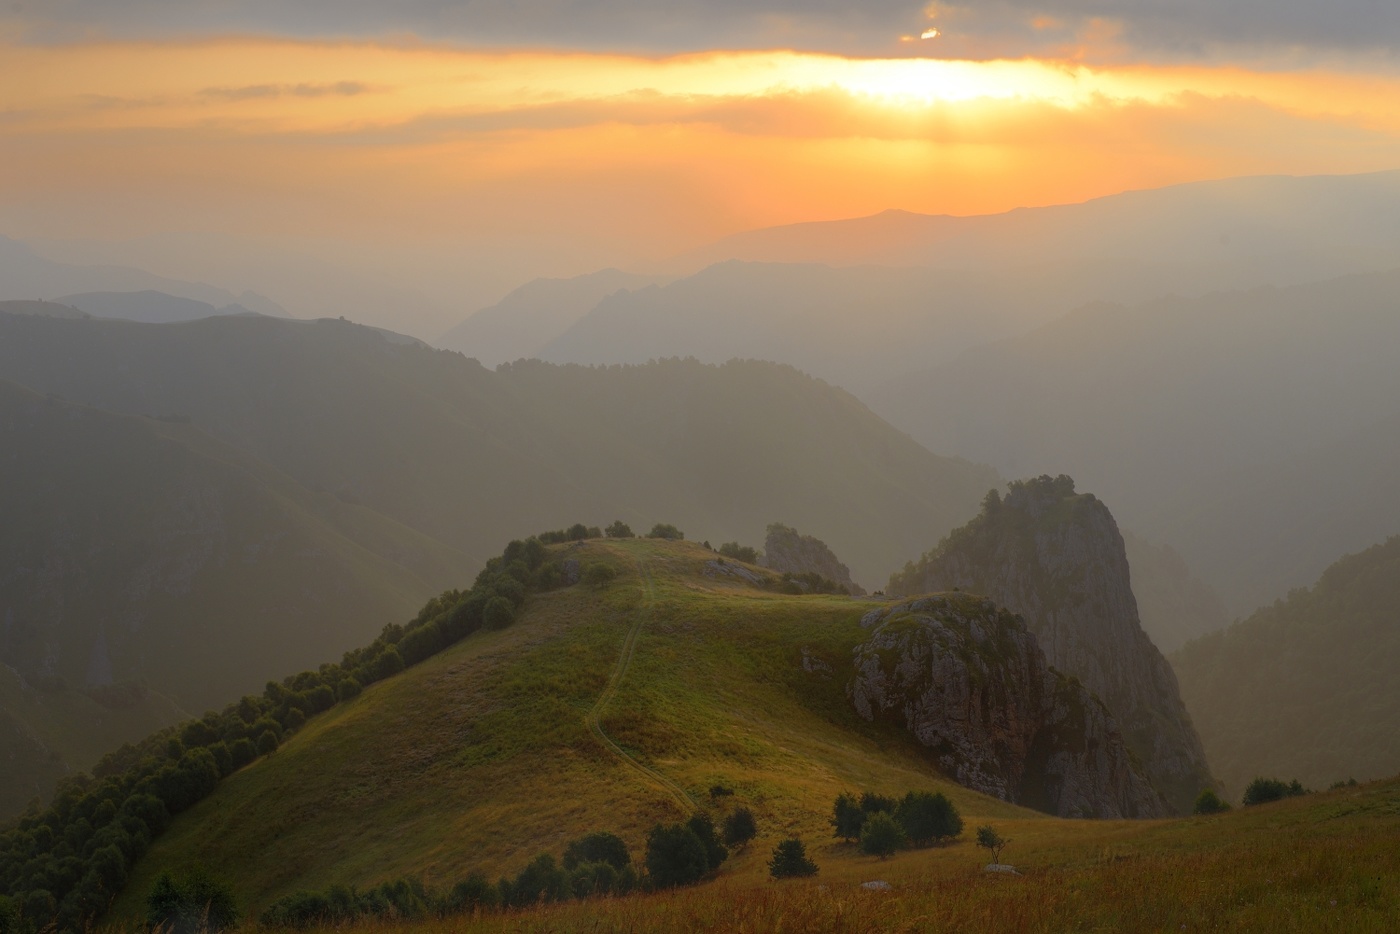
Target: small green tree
667,531
881,835
872,803
790,860
675,856
599,576
739,552
989,839
847,817
1208,802
740,828
618,529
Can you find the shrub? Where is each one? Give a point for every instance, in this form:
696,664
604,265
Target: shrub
675,856
790,860
599,576
928,818
598,847
540,881
194,904
666,531
703,827
1208,802
618,529
740,828
739,552
1264,790
847,817
470,894
498,614
881,835
989,839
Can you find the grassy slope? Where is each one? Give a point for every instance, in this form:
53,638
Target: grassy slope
481,758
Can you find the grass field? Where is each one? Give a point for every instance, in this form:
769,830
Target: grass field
482,757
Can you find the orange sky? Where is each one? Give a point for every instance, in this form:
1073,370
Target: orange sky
590,159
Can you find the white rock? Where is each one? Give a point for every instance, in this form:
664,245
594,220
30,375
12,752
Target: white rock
879,885
1001,867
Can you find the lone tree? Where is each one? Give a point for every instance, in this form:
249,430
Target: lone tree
667,531
989,839
881,836
790,860
740,828
599,576
847,817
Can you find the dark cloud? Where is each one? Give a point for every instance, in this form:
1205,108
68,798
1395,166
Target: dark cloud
1183,29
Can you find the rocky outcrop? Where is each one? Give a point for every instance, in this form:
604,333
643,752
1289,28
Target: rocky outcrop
1056,558
970,682
787,551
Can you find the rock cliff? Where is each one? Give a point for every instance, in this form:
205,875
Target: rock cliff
787,551
969,681
1056,558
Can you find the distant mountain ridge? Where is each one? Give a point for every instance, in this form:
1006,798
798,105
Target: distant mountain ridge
1305,687
147,305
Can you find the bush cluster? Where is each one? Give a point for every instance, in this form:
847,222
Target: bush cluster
62,866
1264,790
883,825
807,582
739,552
593,865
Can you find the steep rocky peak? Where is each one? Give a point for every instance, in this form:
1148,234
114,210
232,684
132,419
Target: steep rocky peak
970,682
1056,557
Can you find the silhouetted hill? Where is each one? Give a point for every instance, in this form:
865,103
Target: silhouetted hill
41,309
147,305
472,457
1305,688
1230,233
1251,431
143,552
24,274
520,324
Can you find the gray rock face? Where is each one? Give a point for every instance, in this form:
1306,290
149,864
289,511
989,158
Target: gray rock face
970,682
787,551
1057,559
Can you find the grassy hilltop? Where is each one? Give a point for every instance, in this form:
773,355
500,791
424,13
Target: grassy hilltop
482,757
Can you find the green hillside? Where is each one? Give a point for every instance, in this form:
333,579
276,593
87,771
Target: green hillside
482,757
142,557
1305,688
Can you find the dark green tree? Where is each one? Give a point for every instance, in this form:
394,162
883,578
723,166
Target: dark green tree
618,529
498,613
739,552
703,827
667,531
193,904
1264,790
675,856
928,818
740,828
881,835
872,803
598,847
599,576
790,860
847,817
1208,802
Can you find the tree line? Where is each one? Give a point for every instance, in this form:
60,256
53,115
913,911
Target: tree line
61,867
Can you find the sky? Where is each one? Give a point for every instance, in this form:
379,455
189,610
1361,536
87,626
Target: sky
460,148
